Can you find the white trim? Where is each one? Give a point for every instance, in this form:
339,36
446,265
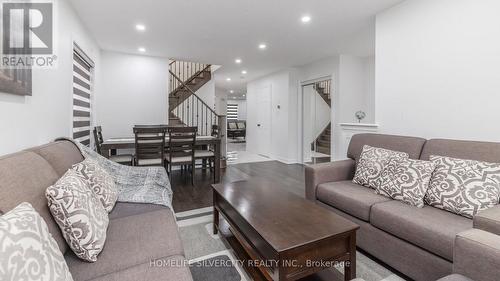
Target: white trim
194,221
194,212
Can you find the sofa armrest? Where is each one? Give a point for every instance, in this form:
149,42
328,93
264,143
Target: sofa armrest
476,255
488,220
327,172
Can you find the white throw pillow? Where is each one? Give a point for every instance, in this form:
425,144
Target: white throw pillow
406,180
79,214
371,164
27,249
464,187
100,181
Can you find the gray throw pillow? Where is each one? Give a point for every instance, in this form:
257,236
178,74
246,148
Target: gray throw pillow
79,214
100,181
464,187
28,250
406,180
371,163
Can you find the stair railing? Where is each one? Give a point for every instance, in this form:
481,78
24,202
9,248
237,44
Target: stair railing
326,87
194,112
185,71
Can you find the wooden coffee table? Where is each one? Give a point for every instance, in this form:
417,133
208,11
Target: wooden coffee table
281,236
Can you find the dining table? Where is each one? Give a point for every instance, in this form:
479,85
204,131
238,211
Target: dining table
109,147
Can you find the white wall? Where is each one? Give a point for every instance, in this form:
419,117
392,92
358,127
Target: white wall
283,147
353,95
133,90
207,93
437,69
47,114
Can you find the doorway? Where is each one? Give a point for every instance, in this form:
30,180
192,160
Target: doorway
316,121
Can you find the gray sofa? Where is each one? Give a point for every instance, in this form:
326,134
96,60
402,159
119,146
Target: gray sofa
142,242
422,243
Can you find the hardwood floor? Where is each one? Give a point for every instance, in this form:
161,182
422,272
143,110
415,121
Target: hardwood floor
188,197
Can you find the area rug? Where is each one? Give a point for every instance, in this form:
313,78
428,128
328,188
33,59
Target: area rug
211,260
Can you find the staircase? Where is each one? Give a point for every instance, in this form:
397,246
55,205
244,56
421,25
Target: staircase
323,141
185,107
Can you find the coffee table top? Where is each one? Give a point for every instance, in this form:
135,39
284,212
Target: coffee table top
282,218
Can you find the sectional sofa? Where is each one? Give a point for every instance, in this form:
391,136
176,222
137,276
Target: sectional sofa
142,242
422,243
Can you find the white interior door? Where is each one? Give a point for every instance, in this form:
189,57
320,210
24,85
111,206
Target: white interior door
264,97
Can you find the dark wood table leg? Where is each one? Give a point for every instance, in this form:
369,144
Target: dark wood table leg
217,149
216,220
350,269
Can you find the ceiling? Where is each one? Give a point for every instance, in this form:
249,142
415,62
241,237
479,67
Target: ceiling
219,31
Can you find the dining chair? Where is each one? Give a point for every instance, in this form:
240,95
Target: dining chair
181,148
149,145
124,159
207,155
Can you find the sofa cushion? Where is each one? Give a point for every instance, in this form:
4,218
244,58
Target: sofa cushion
123,209
474,150
28,250
61,155
24,178
132,240
168,268
79,214
428,227
349,197
411,145
100,181
371,164
464,187
406,180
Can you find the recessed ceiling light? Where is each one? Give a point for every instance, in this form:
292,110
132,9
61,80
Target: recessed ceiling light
232,92
228,79
262,46
305,19
140,27
237,60
142,49
243,72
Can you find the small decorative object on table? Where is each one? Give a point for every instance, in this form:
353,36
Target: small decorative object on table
360,115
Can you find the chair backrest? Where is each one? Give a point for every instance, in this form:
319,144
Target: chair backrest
181,141
241,125
215,131
232,125
150,142
98,140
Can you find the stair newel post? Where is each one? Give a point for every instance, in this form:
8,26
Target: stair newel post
222,124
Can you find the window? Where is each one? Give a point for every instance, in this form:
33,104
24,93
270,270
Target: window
82,96
232,111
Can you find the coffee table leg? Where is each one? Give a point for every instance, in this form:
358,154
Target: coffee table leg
216,220
350,271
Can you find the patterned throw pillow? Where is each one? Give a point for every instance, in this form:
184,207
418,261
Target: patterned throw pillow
406,180
99,181
371,163
28,251
79,214
464,187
